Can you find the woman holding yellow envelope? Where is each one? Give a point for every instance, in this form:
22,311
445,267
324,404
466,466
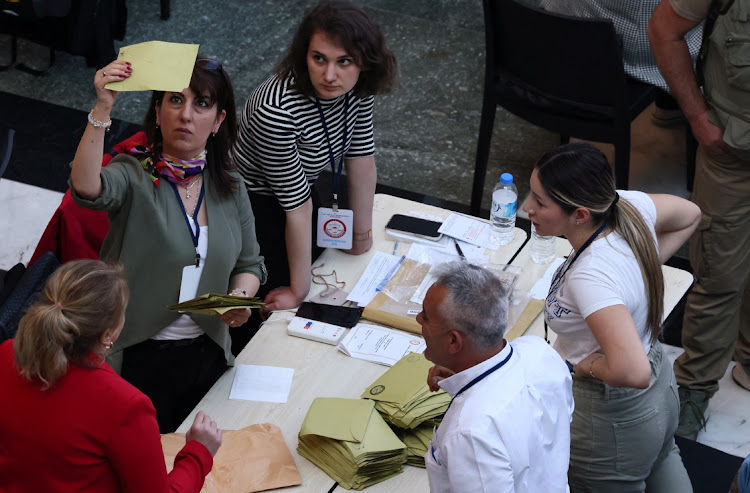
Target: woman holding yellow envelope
181,224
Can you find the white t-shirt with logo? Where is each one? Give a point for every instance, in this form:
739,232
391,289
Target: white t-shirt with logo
605,274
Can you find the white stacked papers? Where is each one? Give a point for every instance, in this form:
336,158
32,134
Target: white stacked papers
380,344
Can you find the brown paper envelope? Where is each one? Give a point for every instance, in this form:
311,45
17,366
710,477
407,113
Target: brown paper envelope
374,313
528,315
255,458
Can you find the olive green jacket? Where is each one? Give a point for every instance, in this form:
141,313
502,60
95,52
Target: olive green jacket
149,235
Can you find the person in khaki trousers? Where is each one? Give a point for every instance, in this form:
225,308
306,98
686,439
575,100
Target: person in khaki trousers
716,323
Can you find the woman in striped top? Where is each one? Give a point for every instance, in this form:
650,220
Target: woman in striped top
316,109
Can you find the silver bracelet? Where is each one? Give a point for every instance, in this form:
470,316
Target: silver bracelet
97,123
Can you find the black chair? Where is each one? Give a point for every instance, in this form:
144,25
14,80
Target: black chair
6,146
562,73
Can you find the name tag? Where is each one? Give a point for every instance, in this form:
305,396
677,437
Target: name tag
191,276
335,228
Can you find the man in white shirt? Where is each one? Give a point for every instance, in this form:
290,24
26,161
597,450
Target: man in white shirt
508,425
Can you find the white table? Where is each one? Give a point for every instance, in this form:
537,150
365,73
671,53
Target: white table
320,370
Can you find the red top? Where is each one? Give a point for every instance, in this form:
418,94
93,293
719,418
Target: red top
92,431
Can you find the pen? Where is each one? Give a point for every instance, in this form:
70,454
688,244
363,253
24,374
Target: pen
458,249
395,247
390,274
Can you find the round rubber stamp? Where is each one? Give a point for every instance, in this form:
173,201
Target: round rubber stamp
334,228
378,389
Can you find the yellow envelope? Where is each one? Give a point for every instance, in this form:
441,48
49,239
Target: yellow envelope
402,382
340,419
157,66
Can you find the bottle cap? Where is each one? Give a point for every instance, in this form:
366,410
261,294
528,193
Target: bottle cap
506,178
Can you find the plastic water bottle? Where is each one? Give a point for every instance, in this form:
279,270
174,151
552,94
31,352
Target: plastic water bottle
542,247
503,213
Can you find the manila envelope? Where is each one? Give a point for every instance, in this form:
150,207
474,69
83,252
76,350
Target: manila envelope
255,458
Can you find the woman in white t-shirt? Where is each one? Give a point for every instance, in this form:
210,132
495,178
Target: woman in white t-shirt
606,305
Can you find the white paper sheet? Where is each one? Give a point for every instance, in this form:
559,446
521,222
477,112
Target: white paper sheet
380,344
468,229
381,267
261,383
541,287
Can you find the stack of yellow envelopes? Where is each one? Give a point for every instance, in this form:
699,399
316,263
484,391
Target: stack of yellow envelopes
350,441
417,443
402,396
213,304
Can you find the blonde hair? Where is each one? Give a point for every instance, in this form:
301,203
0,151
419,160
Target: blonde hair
80,301
578,175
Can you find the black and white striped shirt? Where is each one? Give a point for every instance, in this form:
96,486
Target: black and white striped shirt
281,147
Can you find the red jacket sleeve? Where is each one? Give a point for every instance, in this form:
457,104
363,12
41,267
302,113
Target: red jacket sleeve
135,451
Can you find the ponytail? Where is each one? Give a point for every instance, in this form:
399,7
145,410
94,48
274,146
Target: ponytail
80,301
629,223
578,175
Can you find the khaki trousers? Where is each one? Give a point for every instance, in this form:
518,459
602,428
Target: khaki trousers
622,439
717,315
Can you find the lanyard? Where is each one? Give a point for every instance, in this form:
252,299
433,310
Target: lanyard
481,377
336,173
197,234
561,273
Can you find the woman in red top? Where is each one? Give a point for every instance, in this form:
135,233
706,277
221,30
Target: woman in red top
68,422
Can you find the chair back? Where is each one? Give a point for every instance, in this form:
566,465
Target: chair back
6,147
549,55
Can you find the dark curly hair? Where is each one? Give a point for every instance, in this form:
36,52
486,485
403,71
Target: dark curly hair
350,26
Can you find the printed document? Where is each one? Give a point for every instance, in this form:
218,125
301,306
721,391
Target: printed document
380,344
380,269
468,229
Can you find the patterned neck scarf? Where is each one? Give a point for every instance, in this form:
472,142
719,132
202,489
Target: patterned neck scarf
174,169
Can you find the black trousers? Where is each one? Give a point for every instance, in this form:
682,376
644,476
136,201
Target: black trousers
175,375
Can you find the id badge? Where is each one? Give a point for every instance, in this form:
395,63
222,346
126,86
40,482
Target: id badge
191,276
335,228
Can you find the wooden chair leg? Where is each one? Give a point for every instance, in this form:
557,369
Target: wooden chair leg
486,125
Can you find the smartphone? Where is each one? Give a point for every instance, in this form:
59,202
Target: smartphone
416,226
343,316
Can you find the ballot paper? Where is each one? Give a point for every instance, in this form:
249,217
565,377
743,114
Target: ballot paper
380,269
261,383
157,66
380,344
213,304
468,229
